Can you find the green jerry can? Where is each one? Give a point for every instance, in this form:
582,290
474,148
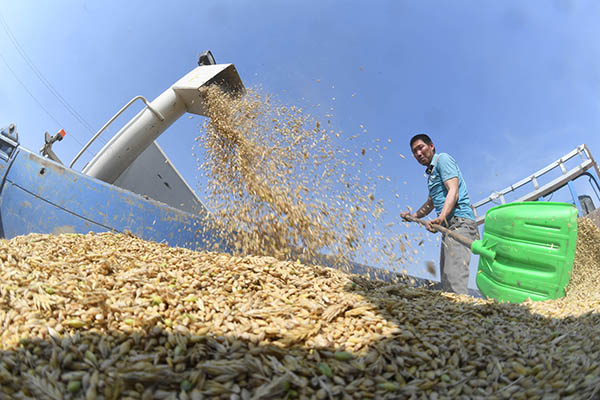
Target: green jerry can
527,251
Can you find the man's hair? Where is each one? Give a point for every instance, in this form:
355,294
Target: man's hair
421,136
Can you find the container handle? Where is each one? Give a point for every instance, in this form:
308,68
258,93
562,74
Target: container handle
480,248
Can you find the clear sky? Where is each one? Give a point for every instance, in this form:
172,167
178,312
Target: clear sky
505,87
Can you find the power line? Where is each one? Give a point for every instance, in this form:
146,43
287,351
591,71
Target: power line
43,79
33,97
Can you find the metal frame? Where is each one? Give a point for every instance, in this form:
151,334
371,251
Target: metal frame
6,156
591,178
542,191
11,142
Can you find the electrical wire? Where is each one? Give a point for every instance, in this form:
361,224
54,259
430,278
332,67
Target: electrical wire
33,97
43,79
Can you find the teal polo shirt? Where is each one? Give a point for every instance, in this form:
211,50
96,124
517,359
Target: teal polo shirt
444,168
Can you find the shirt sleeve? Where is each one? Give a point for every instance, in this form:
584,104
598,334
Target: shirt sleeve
447,167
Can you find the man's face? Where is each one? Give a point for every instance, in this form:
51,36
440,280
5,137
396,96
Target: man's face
423,152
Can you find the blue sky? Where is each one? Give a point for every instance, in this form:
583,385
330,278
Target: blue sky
505,87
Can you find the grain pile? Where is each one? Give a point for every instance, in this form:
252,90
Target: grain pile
106,316
583,292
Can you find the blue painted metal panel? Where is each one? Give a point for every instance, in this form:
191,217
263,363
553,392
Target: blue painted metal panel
575,197
24,213
42,196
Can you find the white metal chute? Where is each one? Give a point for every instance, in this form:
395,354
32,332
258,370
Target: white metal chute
183,96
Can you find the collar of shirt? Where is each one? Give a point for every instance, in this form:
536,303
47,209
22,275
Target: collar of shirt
431,166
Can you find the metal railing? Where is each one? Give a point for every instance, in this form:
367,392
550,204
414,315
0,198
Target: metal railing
587,162
110,121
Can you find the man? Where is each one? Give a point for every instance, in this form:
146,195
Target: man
448,195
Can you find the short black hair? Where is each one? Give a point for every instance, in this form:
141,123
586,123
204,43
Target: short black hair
421,136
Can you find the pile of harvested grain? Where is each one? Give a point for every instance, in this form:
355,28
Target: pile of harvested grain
278,183
110,316
583,292
585,276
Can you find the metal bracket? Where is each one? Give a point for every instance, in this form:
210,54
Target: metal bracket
46,150
10,132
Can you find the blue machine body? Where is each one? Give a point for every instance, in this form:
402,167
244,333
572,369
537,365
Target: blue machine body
42,196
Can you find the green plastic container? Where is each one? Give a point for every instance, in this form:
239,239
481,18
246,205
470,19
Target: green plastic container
527,251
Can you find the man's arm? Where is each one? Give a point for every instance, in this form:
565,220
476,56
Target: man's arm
423,211
450,202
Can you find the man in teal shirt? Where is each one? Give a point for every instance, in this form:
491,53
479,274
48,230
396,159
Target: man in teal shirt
449,196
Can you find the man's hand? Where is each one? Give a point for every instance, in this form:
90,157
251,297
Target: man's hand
406,214
437,221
